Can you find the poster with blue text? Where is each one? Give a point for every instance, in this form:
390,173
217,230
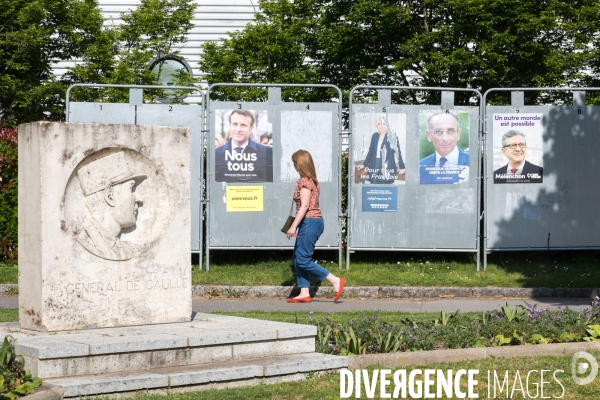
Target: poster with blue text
379,199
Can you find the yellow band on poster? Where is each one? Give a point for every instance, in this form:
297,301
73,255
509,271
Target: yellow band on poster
244,198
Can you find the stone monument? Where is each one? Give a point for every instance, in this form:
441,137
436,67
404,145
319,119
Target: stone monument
104,226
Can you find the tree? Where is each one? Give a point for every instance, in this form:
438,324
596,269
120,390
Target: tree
34,35
37,34
122,55
445,43
502,43
272,49
8,195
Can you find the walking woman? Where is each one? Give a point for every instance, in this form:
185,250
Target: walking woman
309,226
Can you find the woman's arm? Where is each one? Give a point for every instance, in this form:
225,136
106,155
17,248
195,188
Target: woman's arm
304,203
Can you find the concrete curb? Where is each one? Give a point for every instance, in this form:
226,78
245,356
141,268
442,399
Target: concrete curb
9,288
393,360
399,292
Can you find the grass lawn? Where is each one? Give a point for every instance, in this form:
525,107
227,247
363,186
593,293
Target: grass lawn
9,314
9,273
510,269
575,269
328,386
12,315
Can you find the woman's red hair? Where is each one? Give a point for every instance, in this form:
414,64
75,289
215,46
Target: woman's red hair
305,166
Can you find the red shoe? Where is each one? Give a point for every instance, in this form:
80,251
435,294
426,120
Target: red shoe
306,299
338,294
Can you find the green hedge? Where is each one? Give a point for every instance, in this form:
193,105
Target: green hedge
8,195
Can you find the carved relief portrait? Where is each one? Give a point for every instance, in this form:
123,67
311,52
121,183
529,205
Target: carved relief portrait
116,204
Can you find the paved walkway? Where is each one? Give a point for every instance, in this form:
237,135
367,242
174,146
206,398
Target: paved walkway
9,301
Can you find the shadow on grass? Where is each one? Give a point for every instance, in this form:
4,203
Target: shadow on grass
393,257
559,268
555,269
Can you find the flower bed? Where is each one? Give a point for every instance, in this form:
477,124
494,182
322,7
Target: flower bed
521,325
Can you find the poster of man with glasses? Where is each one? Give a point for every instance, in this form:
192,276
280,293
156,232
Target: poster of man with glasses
443,147
518,148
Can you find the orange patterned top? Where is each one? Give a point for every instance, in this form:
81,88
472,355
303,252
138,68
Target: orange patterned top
313,206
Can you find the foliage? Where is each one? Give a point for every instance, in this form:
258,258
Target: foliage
344,199
15,381
8,195
34,35
272,49
122,55
523,325
445,318
512,314
593,332
479,44
502,43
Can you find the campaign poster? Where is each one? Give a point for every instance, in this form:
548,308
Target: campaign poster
379,199
244,198
443,147
518,148
243,146
379,139
311,131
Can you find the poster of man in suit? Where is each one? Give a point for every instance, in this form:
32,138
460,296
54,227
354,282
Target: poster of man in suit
443,147
239,156
518,148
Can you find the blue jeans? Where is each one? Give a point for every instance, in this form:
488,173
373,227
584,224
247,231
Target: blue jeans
309,231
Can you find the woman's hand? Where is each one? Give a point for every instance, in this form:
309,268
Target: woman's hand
291,233
360,167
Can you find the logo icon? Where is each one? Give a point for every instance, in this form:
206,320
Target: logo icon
580,367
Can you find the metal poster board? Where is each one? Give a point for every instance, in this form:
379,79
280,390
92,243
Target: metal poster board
413,175
136,112
540,174
249,189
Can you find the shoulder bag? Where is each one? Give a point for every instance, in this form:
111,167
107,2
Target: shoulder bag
290,219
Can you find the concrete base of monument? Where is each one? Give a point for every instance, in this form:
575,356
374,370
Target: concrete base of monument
212,351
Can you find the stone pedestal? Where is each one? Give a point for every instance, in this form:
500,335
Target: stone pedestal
212,351
104,226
